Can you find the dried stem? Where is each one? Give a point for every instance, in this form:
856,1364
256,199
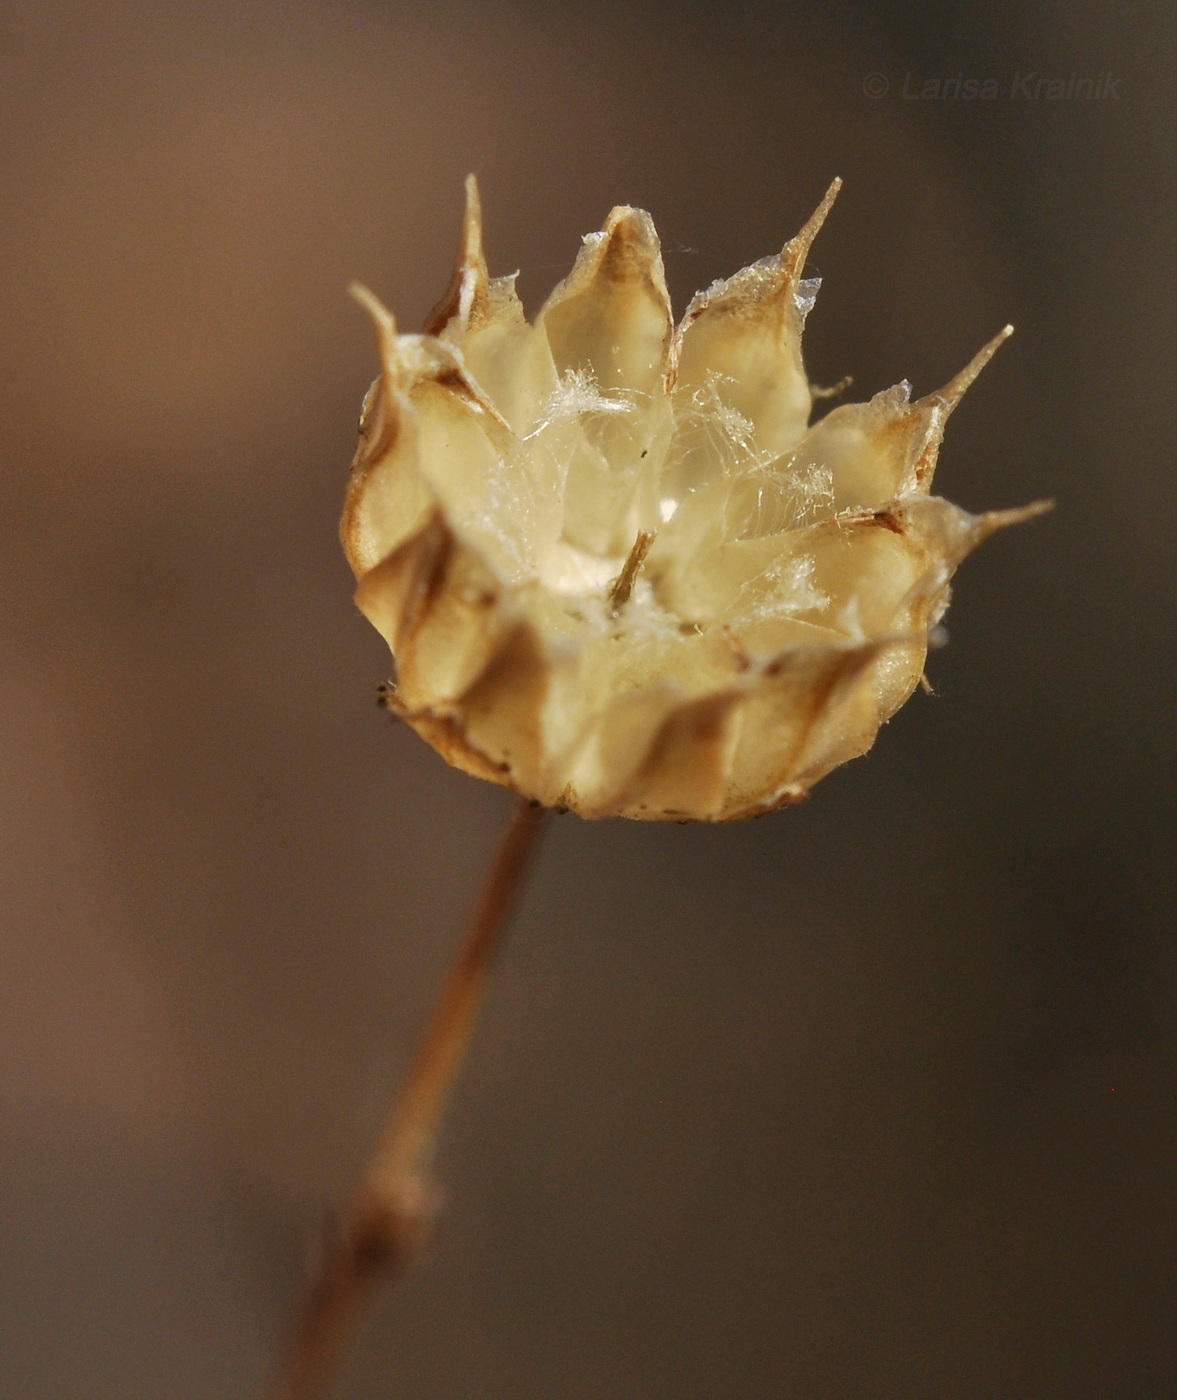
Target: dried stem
389,1217
622,585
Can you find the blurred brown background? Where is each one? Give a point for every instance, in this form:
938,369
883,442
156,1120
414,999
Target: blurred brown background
872,1098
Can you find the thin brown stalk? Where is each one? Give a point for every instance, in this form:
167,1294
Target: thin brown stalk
390,1215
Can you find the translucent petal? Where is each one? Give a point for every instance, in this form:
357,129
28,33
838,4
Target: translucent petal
741,342
610,317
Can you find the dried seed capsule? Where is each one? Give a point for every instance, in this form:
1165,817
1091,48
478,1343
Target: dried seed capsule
618,571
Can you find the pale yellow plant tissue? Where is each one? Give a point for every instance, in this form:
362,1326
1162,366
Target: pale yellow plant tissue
618,570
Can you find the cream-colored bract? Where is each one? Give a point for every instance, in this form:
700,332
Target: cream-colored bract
617,569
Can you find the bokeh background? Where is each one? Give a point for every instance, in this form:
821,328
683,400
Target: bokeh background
875,1097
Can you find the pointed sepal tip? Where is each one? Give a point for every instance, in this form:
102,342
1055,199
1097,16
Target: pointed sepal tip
382,319
796,250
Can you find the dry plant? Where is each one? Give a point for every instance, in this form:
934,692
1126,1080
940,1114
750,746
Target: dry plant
622,575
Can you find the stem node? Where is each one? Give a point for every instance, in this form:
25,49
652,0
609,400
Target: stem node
392,1214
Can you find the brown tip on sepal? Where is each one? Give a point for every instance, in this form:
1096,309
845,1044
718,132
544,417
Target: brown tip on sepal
628,249
955,389
1018,515
471,265
471,250
796,250
450,318
383,320
970,531
832,391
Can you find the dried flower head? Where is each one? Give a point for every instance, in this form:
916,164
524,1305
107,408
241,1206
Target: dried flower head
618,570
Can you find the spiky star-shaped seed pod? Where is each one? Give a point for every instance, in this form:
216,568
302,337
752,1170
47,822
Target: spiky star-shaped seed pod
617,569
